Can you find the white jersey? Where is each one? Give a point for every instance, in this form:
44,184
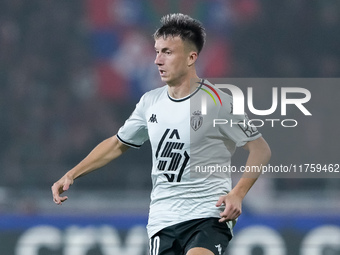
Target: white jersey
182,138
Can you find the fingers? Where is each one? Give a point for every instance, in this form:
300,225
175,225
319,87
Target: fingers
58,200
232,208
57,189
230,213
56,194
220,201
66,186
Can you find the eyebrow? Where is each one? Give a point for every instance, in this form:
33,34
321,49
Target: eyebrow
163,49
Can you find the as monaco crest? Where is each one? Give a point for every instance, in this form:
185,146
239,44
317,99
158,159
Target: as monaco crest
196,120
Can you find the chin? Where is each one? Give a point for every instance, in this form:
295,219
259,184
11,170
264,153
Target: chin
164,79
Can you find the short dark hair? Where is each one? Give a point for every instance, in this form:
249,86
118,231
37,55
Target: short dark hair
187,28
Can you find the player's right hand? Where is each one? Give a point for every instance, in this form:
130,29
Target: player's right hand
59,187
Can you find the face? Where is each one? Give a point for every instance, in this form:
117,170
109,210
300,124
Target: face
173,59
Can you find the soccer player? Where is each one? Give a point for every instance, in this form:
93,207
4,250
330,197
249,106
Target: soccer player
191,213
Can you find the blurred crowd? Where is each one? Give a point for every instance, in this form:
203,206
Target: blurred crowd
57,100
49,114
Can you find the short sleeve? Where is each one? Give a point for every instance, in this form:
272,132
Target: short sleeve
238,128
134,131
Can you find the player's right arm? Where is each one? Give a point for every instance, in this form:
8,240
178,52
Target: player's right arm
101,155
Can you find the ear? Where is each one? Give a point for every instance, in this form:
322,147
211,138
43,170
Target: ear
192,58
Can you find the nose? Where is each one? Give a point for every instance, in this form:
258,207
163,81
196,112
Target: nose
158,60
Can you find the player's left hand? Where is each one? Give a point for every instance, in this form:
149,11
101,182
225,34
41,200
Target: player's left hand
233,206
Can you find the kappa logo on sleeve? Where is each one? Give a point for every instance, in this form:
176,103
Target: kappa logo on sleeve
153,118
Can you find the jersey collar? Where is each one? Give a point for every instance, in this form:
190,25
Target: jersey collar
187,97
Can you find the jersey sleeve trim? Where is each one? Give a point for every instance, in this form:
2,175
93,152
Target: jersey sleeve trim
251,138
128,144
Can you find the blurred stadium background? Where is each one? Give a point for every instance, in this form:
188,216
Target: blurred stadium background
72,71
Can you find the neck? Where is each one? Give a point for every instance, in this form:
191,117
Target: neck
184,87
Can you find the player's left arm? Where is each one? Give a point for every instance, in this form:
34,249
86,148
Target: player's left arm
259,155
